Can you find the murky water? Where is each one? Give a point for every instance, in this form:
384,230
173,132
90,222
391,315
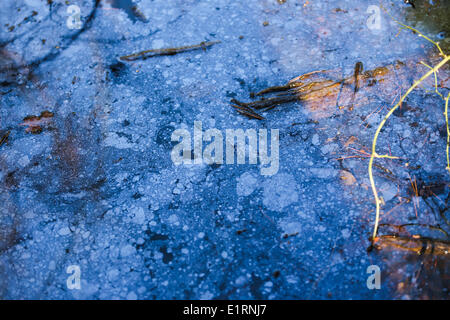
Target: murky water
86,150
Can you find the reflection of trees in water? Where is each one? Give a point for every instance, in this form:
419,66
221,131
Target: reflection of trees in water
13,67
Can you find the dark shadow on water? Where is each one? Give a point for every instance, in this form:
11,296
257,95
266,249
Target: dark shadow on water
130,9
434,17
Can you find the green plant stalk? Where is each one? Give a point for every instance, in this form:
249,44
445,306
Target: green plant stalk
374,142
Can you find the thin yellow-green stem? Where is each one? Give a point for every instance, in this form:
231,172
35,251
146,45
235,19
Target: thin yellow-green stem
377,132
416,31
448,131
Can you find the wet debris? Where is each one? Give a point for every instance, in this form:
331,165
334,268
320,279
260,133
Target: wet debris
415,244
28,18
34,124
10,72
117,69
425,190
239,232
246,111
166,51
320,89
337,10
347,178
4,138
288,235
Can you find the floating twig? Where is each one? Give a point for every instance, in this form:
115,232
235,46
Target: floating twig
34,123
166,51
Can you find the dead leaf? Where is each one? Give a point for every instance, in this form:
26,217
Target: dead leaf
347,178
